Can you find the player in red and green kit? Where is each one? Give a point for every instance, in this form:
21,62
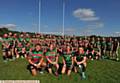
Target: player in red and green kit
20,51
5,48
27,39
67,60
21,40
12,44
36,60
28,48
52,59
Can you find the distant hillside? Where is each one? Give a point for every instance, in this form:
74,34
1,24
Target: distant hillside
6,30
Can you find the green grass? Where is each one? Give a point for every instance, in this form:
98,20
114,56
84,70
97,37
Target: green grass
104,71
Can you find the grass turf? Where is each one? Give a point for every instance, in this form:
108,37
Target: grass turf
103,71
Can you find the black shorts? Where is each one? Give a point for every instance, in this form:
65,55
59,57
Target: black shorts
27,52
21,54
108,49
11,47
30,66
90,54
114,49
6,49
102,48
95,54
49,65
69,66
75,64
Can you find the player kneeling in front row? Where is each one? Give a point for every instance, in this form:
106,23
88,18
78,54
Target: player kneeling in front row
36,61
80,61
52,59
67,60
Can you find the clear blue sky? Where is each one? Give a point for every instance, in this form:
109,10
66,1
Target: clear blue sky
88,16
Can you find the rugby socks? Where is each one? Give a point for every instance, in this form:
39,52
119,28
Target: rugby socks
82,72
13,58
117,59
41,70
80,68
83,75
4,57
56,72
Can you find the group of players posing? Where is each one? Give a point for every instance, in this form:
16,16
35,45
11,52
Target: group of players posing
45,51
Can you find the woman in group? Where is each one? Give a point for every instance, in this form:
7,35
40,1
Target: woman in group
52,59
12,42
6,48
36,60
98,45
68,60
115,49
90,52
103,48
109,47
19,50
80,61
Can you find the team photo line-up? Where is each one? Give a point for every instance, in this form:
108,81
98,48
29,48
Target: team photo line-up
43,52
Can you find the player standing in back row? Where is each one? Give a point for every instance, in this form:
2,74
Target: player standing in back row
115,49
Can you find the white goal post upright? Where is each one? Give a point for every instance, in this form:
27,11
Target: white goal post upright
39,24
63,25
